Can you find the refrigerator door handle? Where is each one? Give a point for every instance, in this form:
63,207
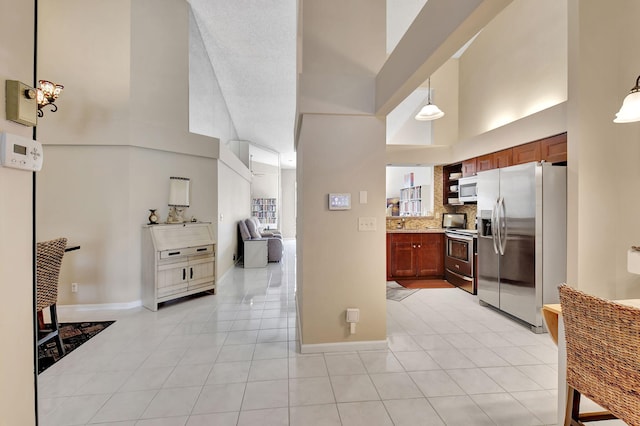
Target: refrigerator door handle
503,225
494,227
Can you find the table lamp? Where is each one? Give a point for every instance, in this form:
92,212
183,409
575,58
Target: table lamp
178,199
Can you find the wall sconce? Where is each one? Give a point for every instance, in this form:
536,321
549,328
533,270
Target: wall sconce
47,94
630,110
429,111
178,199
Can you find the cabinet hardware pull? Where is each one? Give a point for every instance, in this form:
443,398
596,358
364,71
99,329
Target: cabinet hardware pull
202,249
184,274
190,273
173,253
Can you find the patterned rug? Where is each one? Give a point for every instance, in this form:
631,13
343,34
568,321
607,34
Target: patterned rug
73,335
396,292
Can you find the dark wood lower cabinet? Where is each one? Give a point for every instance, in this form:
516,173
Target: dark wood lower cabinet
415,255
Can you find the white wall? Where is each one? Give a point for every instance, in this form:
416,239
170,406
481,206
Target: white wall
17,378
265,182
288,216
99,197
603,156
517,66
339,267
233,205
116,152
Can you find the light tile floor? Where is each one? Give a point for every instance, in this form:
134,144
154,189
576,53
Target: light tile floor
231,359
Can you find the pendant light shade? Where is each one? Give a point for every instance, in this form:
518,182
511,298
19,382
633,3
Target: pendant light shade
630,110
429,111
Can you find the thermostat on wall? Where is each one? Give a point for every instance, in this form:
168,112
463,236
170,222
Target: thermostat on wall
20,153
339,201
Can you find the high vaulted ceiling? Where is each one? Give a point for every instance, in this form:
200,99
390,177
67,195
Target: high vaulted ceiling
252,48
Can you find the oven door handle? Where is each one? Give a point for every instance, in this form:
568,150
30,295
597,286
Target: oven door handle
463,277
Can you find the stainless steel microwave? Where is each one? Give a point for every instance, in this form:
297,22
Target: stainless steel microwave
468,189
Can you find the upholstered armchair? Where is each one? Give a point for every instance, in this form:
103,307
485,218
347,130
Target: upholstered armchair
274,242
259,228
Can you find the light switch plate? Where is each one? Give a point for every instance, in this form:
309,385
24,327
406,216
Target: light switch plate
367,224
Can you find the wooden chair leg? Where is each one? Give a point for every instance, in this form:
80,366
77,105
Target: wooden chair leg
40,320
56,326
572,410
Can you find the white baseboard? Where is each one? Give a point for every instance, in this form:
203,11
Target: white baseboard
99,307
222,279
366,345
298,323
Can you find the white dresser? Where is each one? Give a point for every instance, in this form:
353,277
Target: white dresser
177,260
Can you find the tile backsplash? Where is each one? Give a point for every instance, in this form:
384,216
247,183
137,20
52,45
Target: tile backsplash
435,221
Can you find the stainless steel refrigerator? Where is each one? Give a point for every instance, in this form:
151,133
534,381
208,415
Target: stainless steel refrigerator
522,238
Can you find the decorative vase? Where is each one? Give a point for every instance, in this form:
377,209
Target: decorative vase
153,217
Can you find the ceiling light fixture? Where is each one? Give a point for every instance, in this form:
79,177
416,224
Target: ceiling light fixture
429,111
630,110
46,94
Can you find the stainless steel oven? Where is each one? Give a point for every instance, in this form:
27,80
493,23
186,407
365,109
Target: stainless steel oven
459,258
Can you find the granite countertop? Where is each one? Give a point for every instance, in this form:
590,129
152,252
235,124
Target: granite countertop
416,231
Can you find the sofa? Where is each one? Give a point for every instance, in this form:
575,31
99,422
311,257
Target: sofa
249,231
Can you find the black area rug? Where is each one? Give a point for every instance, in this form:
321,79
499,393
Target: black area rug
397,292
73,335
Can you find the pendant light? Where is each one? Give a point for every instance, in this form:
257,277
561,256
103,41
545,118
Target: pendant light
429,111
630,110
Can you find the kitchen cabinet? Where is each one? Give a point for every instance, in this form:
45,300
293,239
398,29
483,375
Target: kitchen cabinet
503,158
526,153
415,255
177,260
469,167
485,162
551,150
554,149
450,176
495,160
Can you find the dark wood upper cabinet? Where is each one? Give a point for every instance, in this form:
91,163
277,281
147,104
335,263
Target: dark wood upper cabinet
554,149
495,160
469,167
485,162
526,153
551,150
503,158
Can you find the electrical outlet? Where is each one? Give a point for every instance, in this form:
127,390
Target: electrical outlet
74,287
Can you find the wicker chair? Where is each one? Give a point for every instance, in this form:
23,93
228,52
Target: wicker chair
603,357
48,260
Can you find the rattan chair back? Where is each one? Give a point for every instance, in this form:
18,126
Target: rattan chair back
603,352
48,260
